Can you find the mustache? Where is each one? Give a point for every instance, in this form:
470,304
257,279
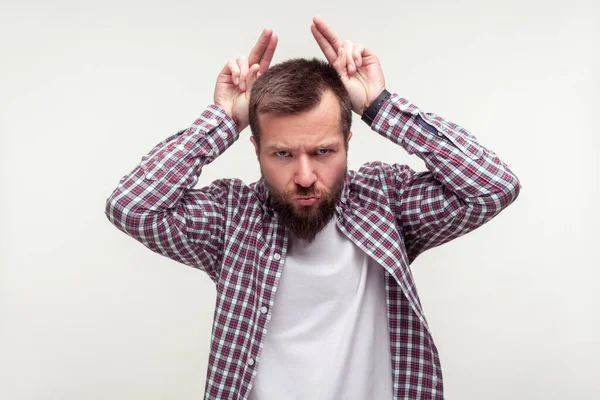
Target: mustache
306,191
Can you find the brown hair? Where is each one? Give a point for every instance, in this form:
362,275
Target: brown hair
294,86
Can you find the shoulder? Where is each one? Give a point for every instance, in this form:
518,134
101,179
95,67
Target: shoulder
378,173
228,191
378,181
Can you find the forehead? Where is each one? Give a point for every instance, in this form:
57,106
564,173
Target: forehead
308,128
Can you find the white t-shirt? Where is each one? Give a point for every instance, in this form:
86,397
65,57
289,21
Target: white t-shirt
328,336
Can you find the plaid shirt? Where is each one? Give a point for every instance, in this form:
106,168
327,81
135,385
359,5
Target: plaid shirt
389,211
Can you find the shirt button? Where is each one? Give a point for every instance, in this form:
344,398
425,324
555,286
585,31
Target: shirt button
277,256
149,175
264,310
213,121
223,134
250,361
180,147
393,121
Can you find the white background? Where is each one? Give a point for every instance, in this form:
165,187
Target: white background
88,88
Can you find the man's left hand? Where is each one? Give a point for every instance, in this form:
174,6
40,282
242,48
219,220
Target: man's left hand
358,68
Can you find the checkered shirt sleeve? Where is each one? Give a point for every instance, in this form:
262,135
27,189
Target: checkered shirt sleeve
157,205
465,184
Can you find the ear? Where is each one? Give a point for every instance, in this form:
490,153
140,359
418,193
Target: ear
255,145
348,140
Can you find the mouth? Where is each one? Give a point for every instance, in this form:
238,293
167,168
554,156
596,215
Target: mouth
307,201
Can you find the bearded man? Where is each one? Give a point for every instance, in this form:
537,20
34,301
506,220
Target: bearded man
315,298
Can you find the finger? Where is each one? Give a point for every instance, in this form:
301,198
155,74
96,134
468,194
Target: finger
328,33
328,50
267,57
340,63
348,47
357,54
253,74
261,45
367,53
242,63
234,71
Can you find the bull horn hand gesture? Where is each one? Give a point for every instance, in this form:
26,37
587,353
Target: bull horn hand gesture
234,83
358,68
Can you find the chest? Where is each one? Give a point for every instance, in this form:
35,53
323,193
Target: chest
257,248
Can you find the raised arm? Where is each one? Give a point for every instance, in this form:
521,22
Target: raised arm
465,184
156,203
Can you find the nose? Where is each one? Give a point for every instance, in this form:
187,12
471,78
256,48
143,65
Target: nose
305,175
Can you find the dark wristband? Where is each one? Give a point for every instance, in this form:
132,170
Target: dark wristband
370,113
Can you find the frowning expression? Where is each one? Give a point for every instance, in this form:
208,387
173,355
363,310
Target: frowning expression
303,156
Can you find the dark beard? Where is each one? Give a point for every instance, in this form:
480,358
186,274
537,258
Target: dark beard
306,221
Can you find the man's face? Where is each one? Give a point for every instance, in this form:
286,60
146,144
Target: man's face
303,161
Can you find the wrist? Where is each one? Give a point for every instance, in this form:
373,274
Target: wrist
226,110
372,108
229,113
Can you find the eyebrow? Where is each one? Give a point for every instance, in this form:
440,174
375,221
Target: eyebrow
328,145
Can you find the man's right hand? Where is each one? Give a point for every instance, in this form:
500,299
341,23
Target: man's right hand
234,83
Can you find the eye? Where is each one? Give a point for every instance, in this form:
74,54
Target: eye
323,152
281,154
